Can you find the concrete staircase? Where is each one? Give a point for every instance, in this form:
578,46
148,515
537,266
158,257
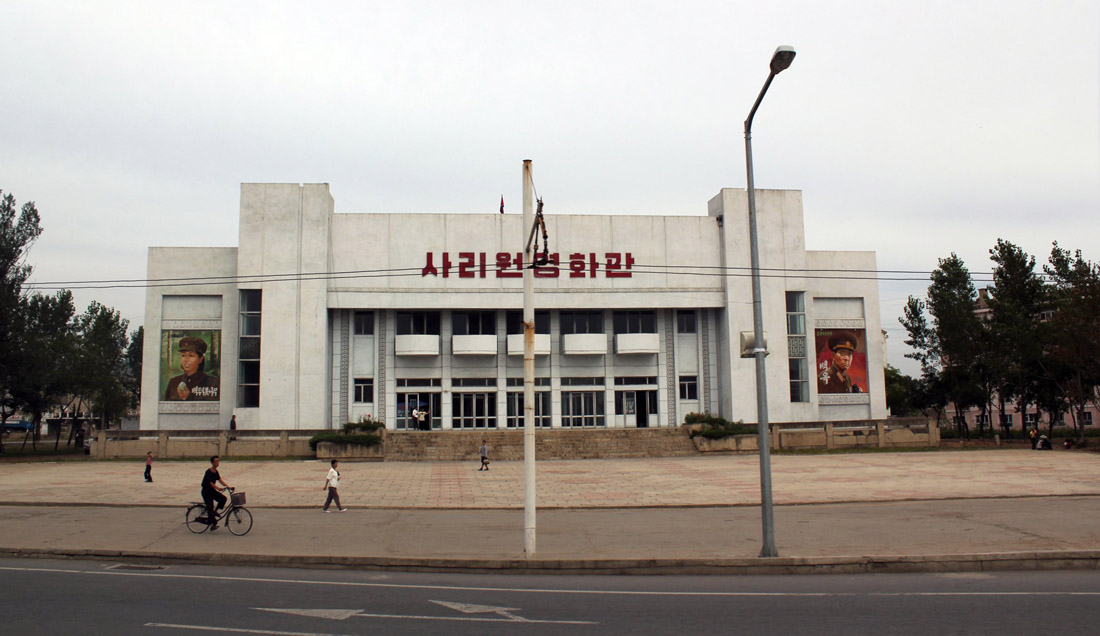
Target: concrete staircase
549,444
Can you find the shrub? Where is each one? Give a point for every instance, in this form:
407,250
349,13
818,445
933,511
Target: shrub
367,439
715,427
364,425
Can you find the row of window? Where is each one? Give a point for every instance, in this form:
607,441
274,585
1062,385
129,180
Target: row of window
1030,419
484,323
363,392
579,409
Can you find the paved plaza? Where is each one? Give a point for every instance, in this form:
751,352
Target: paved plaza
859,512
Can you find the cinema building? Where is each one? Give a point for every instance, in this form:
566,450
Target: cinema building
318,318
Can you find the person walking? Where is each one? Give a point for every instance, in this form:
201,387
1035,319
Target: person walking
332,482
149,467
484,456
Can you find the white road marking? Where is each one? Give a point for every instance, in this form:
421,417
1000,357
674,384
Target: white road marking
528,590
234,630
334,614
470,608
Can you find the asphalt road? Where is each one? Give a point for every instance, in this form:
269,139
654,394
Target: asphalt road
55,597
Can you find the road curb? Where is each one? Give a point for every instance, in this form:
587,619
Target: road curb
616,506
870,564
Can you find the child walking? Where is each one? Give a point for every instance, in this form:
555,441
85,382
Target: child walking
332,482
484,456
149,466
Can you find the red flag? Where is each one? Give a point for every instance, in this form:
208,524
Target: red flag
502,204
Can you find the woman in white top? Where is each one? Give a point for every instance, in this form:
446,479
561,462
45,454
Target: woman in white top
332,482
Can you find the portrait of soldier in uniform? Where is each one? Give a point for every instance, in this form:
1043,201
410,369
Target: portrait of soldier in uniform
834,376
194,384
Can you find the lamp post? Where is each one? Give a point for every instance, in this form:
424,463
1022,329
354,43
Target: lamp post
781,59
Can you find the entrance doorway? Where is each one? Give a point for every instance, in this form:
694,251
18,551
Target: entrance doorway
408,403
636,409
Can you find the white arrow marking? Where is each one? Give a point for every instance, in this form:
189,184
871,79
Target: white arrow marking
470,608
335,614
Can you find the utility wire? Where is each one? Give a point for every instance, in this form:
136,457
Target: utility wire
668,270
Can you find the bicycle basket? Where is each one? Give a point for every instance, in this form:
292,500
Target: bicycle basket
238,498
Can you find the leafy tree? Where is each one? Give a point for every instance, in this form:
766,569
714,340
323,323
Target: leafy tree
1074,352
134,353
101,362
47,349
948,346
902,393
1016,300
19,227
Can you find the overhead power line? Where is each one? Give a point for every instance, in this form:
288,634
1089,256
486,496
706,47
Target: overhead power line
670,270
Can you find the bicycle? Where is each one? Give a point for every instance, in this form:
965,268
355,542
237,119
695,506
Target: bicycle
236,518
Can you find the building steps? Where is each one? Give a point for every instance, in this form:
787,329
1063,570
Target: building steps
549,444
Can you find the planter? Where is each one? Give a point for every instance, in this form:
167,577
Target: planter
357,452
728,444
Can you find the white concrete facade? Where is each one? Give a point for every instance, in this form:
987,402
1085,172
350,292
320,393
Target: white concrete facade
681,295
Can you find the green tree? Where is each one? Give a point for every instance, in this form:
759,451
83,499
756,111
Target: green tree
134,353
101,363
1016,300
1074,352
47,350
902,393
19,227
947,346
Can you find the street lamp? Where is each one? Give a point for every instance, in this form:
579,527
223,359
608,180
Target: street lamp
781,59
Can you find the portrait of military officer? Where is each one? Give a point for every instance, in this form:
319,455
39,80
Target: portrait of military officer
194,384
836,378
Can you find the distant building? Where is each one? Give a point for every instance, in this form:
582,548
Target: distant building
318,318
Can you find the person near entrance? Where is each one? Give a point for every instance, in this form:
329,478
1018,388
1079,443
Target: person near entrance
422,421
484,455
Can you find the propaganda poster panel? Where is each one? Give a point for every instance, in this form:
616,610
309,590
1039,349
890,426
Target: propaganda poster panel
190,365
841,360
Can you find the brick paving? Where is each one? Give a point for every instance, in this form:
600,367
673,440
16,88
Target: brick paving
661,482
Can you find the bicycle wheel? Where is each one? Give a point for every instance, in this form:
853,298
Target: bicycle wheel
196,519
239,521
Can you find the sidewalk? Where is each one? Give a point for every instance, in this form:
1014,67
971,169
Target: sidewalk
966,510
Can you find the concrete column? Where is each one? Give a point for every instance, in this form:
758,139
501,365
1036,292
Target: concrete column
223,439
880,432
829,436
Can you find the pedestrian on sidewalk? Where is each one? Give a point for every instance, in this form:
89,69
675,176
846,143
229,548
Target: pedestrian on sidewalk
149,467
332,482
484,456
1034,435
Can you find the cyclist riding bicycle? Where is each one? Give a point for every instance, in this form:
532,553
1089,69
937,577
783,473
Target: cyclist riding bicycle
210,492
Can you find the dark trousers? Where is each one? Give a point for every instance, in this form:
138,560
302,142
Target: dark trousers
209,498
333,496
148,472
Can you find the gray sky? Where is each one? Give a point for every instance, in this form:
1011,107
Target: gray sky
914,129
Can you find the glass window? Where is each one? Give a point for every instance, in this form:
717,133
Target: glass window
363,323
582,408
796,347
364,390
514,322
581,322
417,323
473,323
473,410
248,348
542,409
689,387
685,321
635,322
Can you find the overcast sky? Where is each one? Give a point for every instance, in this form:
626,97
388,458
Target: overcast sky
914,129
